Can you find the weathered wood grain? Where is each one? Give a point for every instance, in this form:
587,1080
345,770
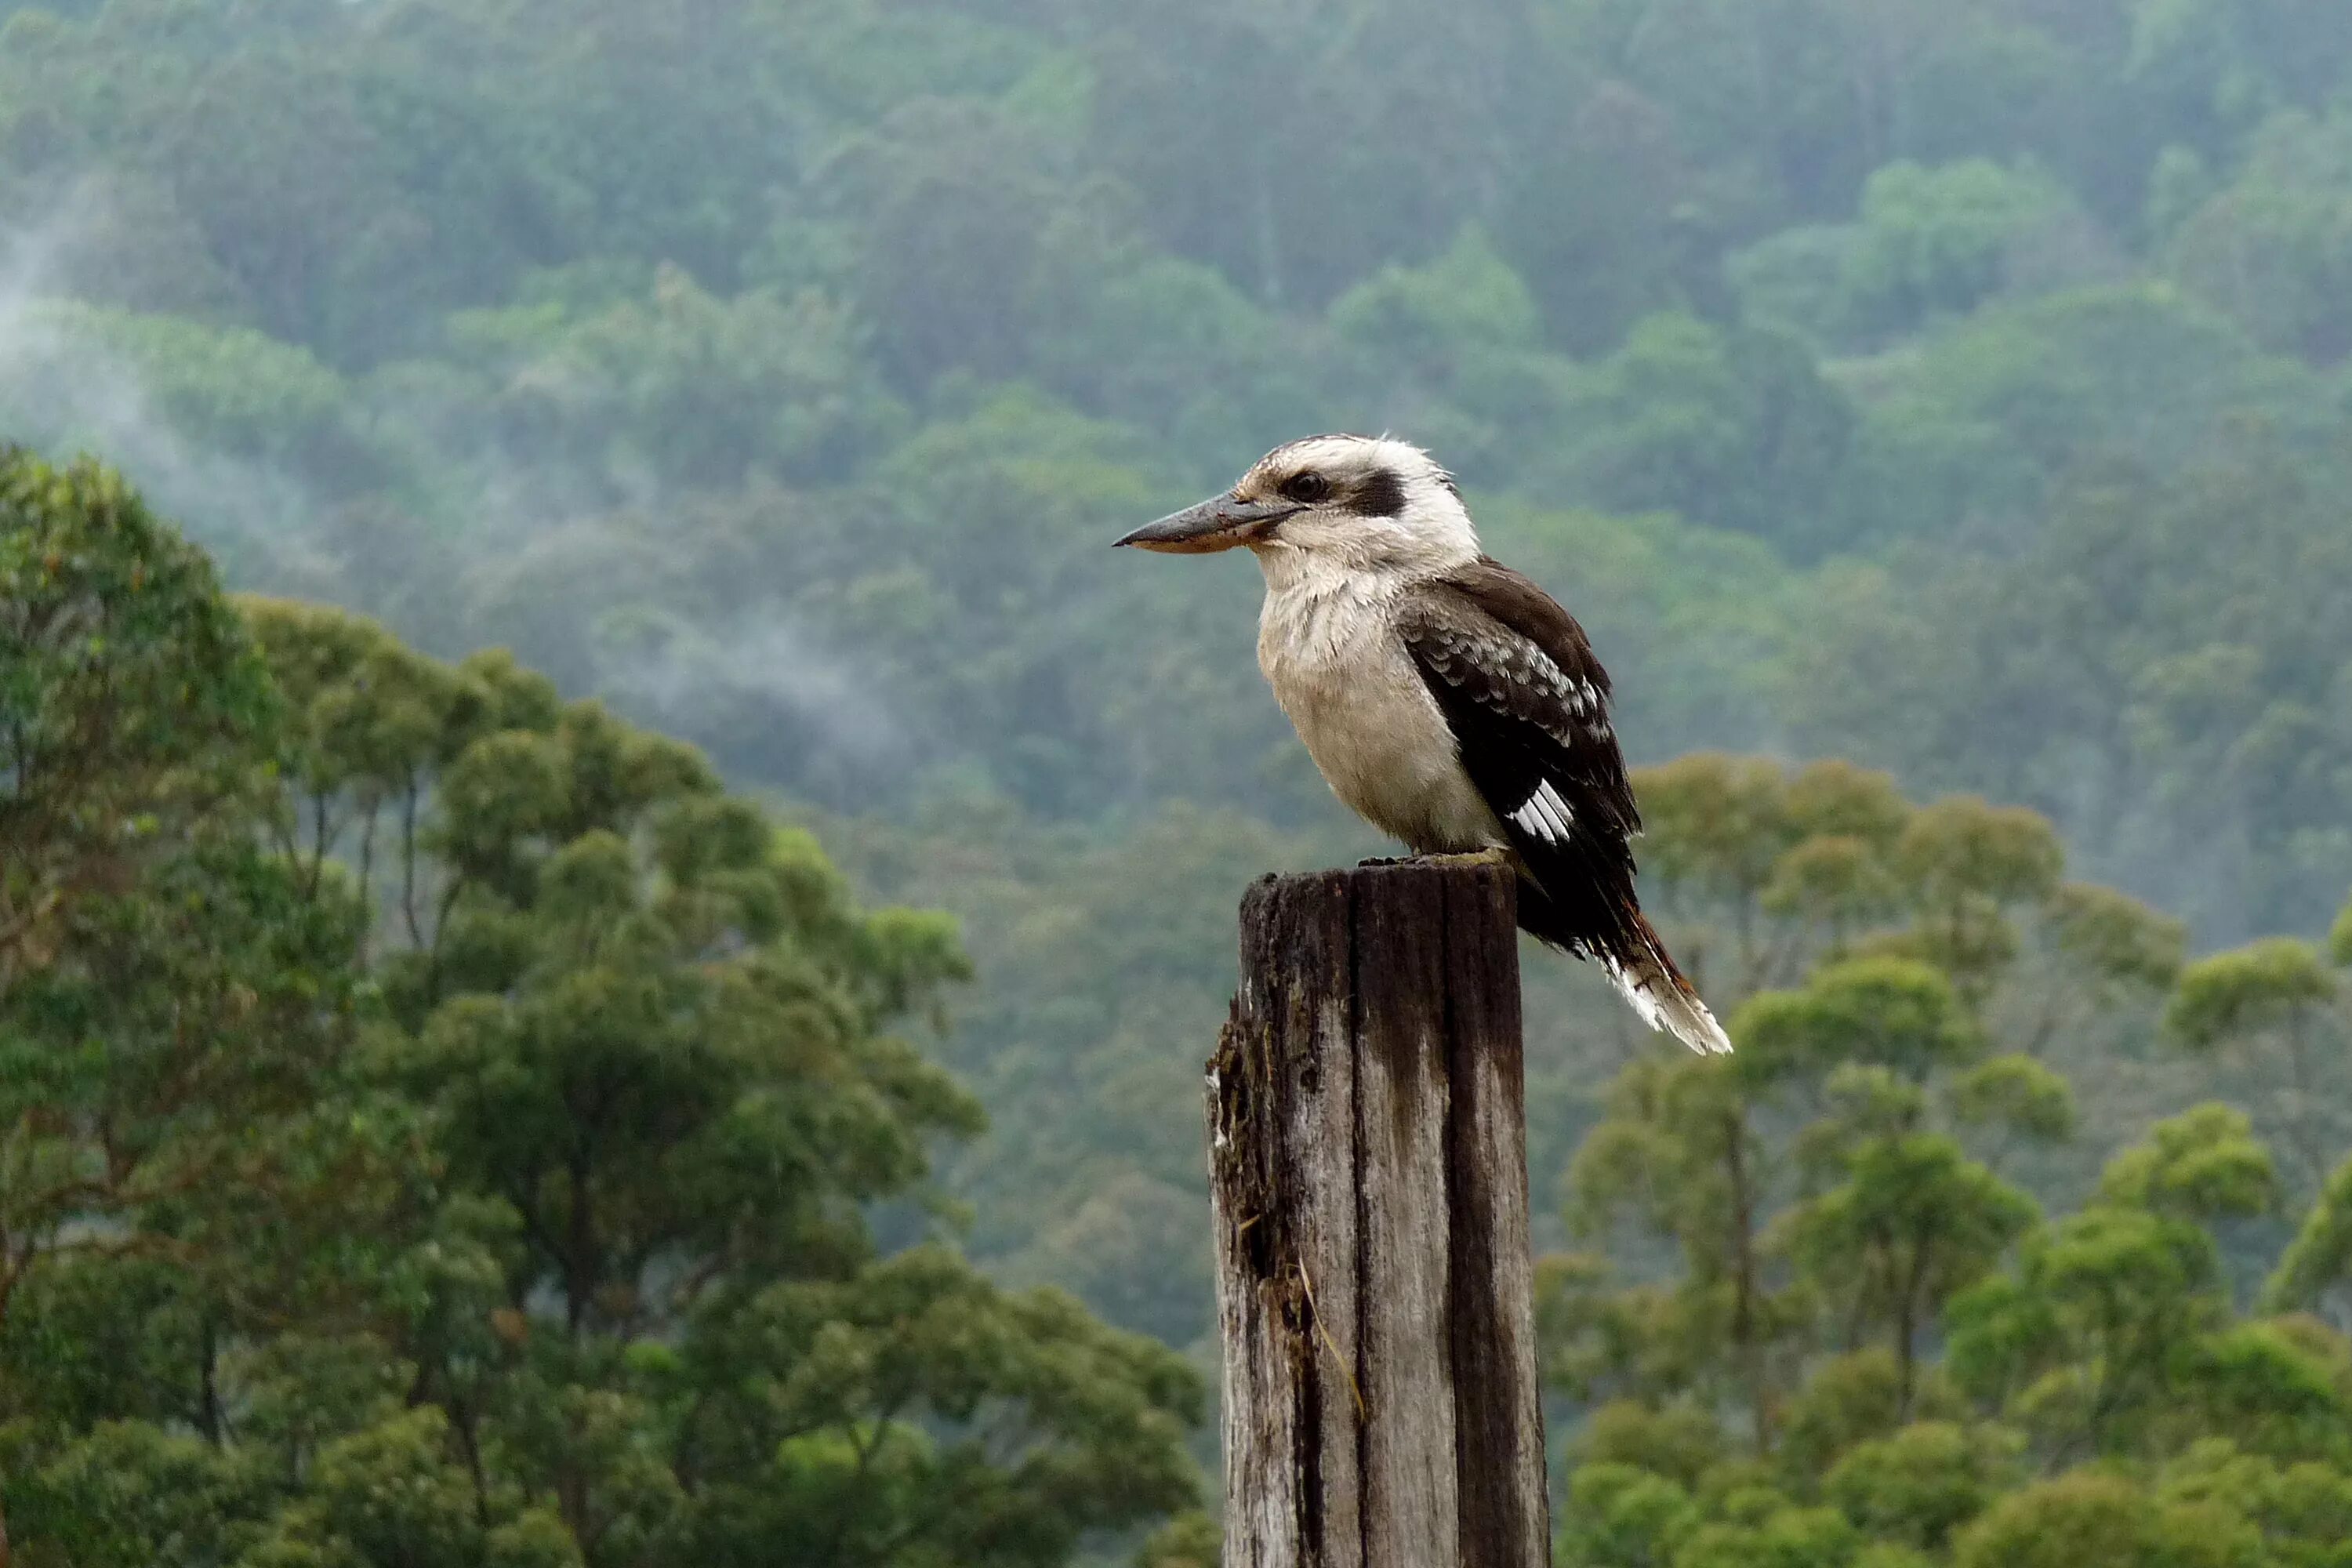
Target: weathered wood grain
1505,1516
1369,1173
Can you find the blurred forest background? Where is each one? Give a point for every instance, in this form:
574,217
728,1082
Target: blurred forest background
465,1107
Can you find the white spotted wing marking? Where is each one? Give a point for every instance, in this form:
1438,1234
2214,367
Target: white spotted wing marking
1546,815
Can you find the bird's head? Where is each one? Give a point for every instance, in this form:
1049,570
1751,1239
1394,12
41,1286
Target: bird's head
1354,502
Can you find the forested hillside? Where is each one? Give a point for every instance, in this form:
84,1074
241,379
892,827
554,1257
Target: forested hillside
1957,388
780,368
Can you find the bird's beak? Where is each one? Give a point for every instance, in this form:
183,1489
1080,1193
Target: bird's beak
1218,524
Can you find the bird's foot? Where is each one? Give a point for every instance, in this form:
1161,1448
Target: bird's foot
1473,857
1488,857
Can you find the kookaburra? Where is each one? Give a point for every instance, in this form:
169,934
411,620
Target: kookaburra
1446,699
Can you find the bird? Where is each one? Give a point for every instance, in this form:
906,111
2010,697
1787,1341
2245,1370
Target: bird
1446,699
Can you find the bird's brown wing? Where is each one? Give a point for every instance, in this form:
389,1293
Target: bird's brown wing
1529,706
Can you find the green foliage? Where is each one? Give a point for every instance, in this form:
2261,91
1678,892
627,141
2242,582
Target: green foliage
1897,1013
1467,297
390,1494
1922,1482
233,387
2018,1093
1961,387
2268,986
115,632
2078,1346
1680,1442
2203,1165
1735,427
1851,1399
1621,1516
173,997
446,1129
1188,1541
697,390
128,1492
1927,243
2319,1261
821,1431
628,341
2270,248
1915,1486
1781,1538
1913,1223
1824,1319
2084,1518
477,283
2117,940
2277,1008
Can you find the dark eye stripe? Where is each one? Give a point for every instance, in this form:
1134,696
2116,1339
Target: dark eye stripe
1379,494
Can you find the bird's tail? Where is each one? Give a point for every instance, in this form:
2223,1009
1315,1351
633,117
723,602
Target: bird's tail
1641,969
1615,934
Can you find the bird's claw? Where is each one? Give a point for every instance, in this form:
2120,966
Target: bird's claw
1472,858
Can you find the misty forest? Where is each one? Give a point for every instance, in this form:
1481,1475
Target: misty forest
611,904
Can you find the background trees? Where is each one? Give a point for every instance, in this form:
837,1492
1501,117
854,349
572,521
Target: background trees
1822,1316
1980,320
443,1127
1957,389
1832,277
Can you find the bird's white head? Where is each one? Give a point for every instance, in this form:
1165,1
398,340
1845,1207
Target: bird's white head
1330,504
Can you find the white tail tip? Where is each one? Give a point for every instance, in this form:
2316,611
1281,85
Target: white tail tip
1665,1000
1688,1019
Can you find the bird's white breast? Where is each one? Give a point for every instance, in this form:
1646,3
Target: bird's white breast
1330,649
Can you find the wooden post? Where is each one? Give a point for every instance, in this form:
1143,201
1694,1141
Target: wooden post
1368,1151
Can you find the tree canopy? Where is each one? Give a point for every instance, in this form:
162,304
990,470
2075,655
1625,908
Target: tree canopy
442,1126
433,1063
776,371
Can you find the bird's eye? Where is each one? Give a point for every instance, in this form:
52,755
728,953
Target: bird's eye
1306,488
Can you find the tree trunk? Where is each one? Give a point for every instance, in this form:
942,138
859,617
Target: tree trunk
1907,1329
1369,1170
210,1420
1747,1334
